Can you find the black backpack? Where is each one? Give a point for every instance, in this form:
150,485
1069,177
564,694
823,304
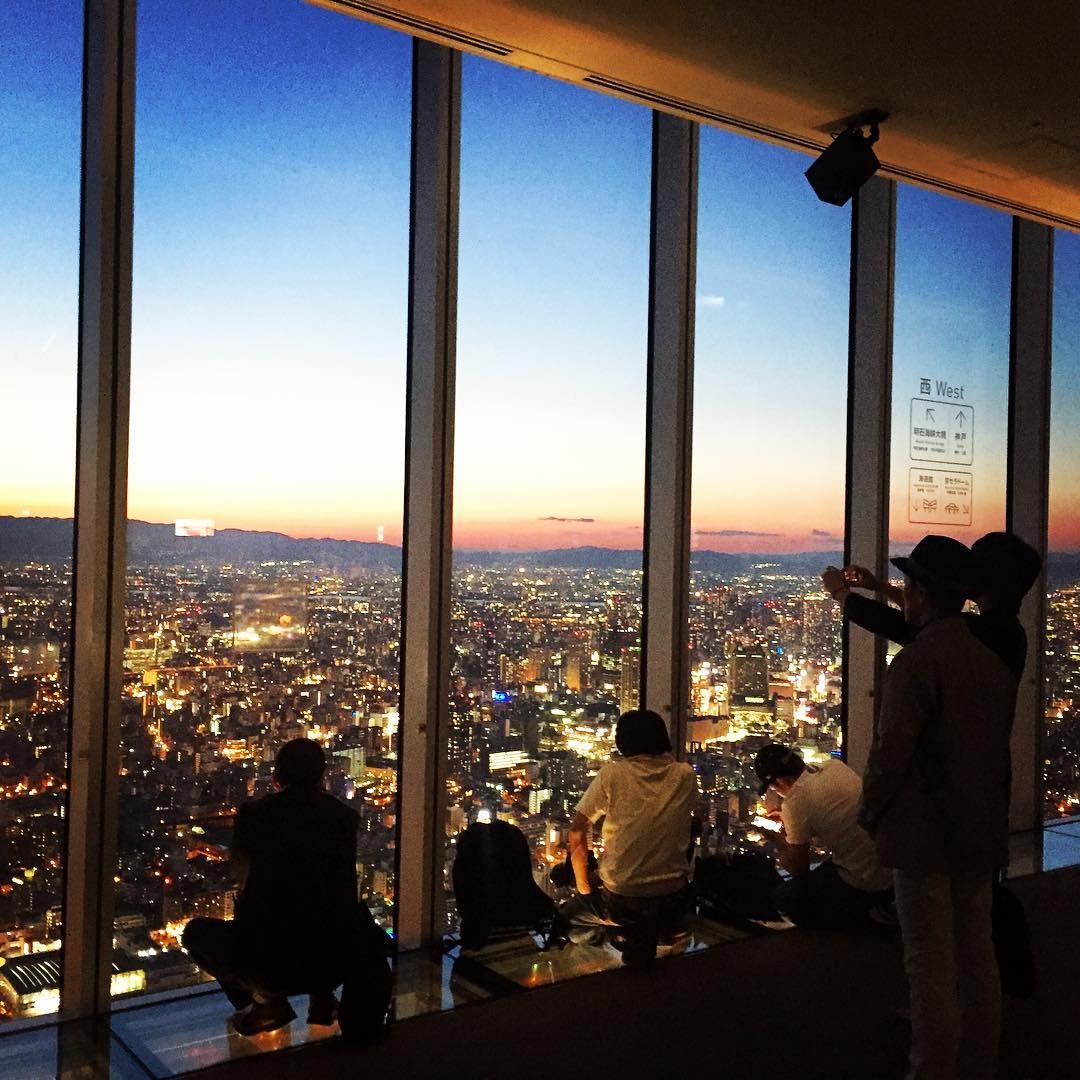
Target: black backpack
494,886
737,887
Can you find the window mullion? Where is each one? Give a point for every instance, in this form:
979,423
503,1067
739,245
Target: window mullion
866,526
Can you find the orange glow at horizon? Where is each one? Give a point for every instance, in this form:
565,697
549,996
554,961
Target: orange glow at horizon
727,532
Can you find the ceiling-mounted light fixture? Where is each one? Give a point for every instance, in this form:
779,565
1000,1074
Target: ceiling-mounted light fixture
849,160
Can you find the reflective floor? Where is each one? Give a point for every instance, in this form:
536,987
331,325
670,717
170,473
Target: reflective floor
182,1034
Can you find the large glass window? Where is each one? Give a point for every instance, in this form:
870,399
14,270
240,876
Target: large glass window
950,369
549,455
770,418
40,117
267,437
1062,741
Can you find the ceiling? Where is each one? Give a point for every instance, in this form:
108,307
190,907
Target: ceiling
980,93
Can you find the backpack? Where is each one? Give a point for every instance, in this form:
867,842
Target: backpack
737,887
494,886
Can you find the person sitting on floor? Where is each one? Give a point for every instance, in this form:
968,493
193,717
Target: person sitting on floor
647,800
822,803
299,927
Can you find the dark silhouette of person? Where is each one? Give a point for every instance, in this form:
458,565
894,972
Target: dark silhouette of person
1007,567
299,927
936,802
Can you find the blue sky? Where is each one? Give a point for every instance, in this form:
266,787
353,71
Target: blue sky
951,322
40,117
771,353
271,225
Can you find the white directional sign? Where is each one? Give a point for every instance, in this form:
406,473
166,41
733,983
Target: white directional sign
937,497
942,432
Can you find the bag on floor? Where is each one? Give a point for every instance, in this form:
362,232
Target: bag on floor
736,888
493,884
1012,943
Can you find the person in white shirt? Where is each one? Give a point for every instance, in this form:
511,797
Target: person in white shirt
646,800
821,803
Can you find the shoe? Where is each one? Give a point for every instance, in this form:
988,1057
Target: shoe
322,1009
884,914
261,1017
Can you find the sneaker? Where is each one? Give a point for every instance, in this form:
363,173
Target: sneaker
322,1009
261,1017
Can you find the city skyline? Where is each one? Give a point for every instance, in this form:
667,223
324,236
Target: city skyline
270,268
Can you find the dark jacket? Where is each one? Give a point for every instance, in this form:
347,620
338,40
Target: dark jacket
999,631
936,787
301,849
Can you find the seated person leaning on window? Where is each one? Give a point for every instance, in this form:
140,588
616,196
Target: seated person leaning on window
822,803
647,800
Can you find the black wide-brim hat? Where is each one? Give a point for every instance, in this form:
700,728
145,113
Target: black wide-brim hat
941,562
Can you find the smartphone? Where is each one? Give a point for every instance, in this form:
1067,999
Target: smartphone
766,823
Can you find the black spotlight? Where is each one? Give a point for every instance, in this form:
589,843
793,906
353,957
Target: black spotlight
845,165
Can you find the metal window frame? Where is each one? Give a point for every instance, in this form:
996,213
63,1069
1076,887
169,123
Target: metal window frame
669,422
429,468
101,474
104,370
869,433
1028,494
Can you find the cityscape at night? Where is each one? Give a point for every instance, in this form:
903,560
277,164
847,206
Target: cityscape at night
545,656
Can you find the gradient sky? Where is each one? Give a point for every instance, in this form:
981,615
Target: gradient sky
951,322
1065,397
271,226
40,117
770,369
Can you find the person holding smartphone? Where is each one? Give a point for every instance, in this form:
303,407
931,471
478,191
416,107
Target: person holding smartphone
1007,568
821,803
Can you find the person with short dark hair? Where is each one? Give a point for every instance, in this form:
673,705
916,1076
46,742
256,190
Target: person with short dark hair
822,803
299,926
936,801
647,801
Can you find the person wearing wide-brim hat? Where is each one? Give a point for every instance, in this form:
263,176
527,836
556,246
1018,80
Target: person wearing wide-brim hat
1006,569
935,800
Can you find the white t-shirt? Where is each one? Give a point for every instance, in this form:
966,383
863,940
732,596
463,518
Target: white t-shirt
824,803
647,803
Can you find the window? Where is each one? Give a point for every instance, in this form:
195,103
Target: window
767,512
1062,739
550,448
950,369
267,435
40,116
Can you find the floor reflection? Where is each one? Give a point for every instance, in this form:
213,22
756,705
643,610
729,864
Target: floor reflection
193,1033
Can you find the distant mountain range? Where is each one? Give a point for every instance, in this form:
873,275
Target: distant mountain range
47,539
23,539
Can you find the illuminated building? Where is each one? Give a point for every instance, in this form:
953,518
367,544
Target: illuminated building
30,986
748,675
629,679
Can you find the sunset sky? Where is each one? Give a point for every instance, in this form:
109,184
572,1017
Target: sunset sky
270,278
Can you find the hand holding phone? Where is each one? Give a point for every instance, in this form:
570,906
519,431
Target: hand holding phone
770,824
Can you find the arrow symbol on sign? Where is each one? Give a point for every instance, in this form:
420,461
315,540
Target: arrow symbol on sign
930,416
967,509
960,418
914,506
